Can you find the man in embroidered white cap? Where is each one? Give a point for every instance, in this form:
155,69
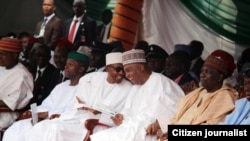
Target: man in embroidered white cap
99,95
150,105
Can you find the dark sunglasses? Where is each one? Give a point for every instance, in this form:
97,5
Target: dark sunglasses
117,69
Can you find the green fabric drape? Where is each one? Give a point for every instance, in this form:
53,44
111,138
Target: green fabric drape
229,18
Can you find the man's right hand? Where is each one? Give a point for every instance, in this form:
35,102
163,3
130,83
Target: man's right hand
117,119
25,115
54,116
162,136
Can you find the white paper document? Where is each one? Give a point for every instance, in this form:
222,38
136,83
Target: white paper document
81,105
104,109
34,114
101,108
106,119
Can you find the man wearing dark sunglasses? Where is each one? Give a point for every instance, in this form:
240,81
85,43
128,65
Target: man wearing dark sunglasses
149,106
99,96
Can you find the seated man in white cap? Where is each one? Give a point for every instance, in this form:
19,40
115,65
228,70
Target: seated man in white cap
61,98
16,82
99,94
150,105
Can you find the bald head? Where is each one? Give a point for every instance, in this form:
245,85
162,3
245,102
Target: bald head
79,7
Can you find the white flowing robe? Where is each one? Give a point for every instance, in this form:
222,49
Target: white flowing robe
61,98
16,91
154,100
94,90
2,69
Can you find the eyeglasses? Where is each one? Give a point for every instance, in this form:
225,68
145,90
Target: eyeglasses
117,69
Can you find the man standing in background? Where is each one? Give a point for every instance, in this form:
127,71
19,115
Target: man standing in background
80,30
103,30
50,28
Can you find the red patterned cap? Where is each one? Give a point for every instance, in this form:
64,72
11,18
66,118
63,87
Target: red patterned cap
221,60
10,44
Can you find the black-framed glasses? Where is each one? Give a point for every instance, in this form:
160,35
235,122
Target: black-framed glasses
117,69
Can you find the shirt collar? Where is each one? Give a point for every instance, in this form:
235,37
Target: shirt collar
107,25
49,17
41,69
177,80
79,18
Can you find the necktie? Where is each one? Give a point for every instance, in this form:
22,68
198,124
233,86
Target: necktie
44,22
39,73
42,30
72,31
61,77
103,32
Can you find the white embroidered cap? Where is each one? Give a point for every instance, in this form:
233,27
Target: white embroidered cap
133,56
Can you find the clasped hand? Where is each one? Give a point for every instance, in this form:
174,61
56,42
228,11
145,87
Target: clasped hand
117,119
153,128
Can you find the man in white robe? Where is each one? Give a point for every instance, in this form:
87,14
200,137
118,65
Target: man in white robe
150,105
104,91
61,98
16,82
1,68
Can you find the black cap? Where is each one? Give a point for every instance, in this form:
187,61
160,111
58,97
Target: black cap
99,46
182,47
156,51
116,46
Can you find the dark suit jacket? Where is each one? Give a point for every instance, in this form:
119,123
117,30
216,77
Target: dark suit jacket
53,31
86,28
187,81
197,67
186,78
99,32
43,86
